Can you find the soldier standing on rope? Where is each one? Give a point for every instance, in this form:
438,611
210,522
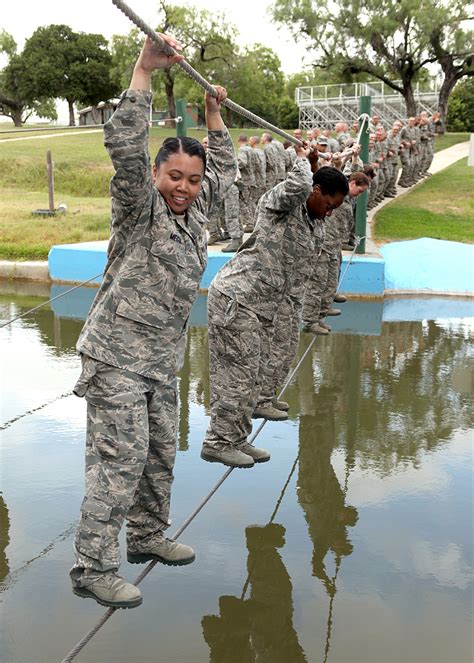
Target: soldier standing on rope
133,340
262,285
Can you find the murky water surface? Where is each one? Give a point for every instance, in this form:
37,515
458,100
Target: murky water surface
354,544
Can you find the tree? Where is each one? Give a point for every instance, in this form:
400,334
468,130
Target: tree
15,101
288,113
208,45
72,66
453,47
461,107
391,40
256,82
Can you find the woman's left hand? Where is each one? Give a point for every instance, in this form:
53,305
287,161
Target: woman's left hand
213,104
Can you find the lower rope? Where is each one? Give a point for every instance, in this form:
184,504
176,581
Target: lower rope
9,423
53,299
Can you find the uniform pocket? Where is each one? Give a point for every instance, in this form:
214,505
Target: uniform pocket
89,370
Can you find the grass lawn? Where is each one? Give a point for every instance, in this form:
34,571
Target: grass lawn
82,172
442,207
442,142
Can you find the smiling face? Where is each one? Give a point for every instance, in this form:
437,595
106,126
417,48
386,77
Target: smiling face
179,180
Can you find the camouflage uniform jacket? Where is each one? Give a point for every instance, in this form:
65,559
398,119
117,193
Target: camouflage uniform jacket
138,319
272,157
278,258
246,161
393,144
281,163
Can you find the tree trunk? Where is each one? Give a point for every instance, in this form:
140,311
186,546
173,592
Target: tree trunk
409,97
169,89
72,121
445,90
16,117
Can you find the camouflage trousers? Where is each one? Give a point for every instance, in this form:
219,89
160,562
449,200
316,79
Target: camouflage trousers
393,175
130,454
245,206
231,210
256,192
239,349
282,349
373,190
429,154
321,287
406,168
215,219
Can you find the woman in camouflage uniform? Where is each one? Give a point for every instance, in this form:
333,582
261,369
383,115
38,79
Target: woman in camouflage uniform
133,340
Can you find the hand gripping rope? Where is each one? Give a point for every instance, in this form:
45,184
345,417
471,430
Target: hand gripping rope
196,76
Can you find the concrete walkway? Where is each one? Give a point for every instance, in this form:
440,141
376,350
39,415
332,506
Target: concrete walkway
79,132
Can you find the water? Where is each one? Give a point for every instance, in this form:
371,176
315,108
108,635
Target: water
354,544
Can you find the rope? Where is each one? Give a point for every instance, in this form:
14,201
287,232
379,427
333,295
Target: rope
9,423
53,299
106,616
196,76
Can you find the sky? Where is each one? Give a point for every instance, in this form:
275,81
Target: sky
250,17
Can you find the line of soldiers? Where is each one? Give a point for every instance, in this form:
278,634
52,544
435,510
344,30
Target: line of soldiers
409,146
264,162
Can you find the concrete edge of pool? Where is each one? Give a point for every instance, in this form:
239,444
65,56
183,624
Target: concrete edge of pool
424,266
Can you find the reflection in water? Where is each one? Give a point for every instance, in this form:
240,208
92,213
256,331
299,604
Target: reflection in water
259,628
4,539
381,402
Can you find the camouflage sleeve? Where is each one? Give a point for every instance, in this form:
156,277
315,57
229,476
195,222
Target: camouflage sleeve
126,140
221,170
294,190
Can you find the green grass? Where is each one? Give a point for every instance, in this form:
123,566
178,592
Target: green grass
442,207
442,142
82,172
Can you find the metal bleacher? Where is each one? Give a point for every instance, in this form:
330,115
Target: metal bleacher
324,105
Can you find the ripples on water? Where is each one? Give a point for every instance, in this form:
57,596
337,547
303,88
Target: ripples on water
353,544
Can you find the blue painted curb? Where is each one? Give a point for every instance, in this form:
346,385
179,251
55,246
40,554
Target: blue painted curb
75,263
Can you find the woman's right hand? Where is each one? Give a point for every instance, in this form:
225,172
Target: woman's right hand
153,56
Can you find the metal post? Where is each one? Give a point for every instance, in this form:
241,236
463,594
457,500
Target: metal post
361,208
49,165
181,113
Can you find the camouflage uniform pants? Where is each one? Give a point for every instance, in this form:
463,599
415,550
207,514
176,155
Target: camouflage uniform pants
255,194
321,288
406,168
238,345
231,209
429,156
373,190
281,350
130,454
391,186
245,206
214,218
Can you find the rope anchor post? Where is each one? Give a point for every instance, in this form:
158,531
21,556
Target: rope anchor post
180,119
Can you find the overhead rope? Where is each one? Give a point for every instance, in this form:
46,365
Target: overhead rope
110,611
196,76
